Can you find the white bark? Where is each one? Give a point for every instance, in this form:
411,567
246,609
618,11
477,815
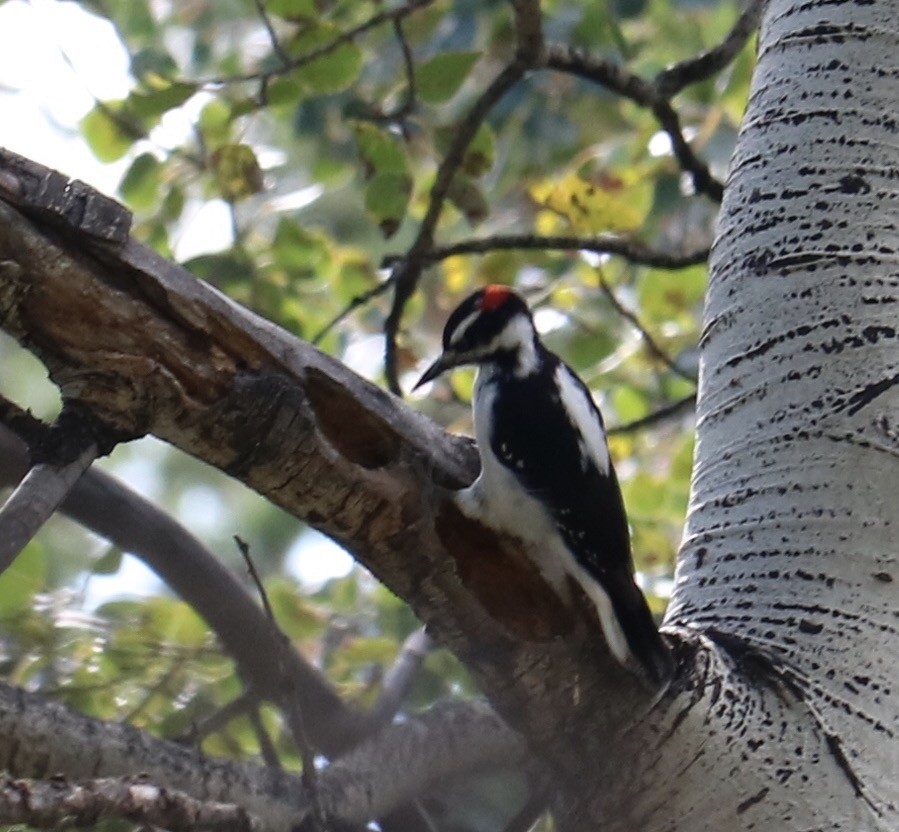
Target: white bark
791,545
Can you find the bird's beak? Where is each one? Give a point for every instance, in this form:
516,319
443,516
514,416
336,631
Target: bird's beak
441,365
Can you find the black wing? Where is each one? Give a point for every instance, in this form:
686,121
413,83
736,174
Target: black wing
536,440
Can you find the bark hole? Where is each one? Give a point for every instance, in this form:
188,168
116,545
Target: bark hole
358,435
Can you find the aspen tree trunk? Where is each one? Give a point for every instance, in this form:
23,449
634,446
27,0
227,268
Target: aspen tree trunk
789,562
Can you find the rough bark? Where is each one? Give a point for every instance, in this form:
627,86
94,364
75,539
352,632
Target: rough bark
783,712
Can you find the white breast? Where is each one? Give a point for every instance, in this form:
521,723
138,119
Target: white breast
497,499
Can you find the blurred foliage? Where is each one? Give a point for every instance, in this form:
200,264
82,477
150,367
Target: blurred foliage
325,169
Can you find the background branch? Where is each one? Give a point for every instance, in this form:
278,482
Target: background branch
620,80
392,768
407,271
50,804
113,511
35,500
669,82
631,250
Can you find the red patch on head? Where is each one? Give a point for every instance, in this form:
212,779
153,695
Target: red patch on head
495,296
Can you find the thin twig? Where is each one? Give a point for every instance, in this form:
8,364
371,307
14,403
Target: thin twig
668,411
648,339
631,250
385,16
672,80
408,105
355,303
291,705
266,746
399,678
239,706
35,499
272,35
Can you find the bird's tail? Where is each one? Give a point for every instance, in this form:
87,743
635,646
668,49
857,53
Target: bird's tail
645,645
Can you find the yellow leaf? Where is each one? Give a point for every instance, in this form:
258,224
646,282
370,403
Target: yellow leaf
608,200
456,272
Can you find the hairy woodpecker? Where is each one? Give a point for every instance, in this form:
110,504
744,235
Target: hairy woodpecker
546,476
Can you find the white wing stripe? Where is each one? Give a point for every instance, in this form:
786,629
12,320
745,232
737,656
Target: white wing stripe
584,419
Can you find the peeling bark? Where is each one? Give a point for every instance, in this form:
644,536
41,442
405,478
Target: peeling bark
783,712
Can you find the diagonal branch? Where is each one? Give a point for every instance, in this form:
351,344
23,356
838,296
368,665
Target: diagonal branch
146,347
407,271
272,34
618,79
348,36
648,339
34,500
135,525
661,414
669,82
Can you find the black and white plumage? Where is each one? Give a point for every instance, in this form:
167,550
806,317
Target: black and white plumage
546,475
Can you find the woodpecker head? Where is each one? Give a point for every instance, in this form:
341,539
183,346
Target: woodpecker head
494,325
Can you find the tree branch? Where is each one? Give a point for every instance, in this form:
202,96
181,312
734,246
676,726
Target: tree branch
618,79
292,710
669,82
401,762
147,347
631,250
647,337
272,35
399,678
407,271
378,19
661,414
135,525
49,804
34,500
327,446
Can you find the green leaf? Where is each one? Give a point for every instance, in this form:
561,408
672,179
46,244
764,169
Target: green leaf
386,199
108,563
333,71
23,579
293,9
376,649
141,184
295,615
109,133
299,251
152,61
237,171
480,154
215,123
147,105
439,79
465,194
379,151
